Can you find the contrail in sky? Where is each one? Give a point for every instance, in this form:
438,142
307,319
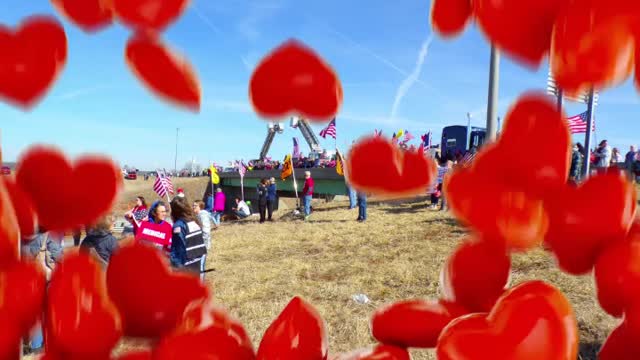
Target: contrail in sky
412,78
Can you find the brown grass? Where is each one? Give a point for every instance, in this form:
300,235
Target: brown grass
397,254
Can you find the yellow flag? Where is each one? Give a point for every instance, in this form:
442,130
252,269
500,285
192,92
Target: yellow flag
215,179
339,163
399,133
287,168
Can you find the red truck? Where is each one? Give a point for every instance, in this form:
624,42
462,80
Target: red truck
5,170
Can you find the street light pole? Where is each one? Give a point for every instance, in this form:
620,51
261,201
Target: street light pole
175,164
492,101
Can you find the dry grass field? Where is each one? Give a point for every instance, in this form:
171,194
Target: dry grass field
397,254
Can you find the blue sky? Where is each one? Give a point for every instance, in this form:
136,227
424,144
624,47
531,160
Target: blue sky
98,106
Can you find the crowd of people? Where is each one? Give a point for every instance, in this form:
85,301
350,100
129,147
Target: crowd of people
603,158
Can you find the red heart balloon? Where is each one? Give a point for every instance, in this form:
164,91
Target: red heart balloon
148,277
582,225
530,321
149,14
450,17
380,352
521,28
621,344
506,217
89,15
531,118
475,275
31,58
377,166
22,289
592,46
297,333
413,323
9,230
137,355
294,79
67,186
207,333
81,320
163,71
23,207
617,277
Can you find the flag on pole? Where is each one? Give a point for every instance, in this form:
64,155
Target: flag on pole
400,133
426,140
330,130
287,168
296,148
408,137
163,185
241,168
377,133
339,163
578,123
467,159
215,178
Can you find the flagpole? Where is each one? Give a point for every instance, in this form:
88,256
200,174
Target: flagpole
587,138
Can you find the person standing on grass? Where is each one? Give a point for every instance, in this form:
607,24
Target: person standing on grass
630,161
158,216
307,194
272,197
362,207
218,207
187,245
576,164
262,199
353,198
100,238
137,214
205,220
449,166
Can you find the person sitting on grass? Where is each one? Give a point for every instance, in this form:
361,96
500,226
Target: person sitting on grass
241,210
100,238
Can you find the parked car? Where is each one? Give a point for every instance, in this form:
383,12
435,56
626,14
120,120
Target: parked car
131,175
5,170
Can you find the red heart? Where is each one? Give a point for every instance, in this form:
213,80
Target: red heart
81,320
67,187
531,118
475,275
622,344
163,71
89,15
207,333
297,333
152,299
9,230
294,79
137,355
521,28
149,14
22,290
582,225
380,352
31,58
23,207
617,276
508,218
592,46
413,323
531,321
450,17
377,166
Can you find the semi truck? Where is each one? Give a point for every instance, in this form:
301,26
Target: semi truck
458,139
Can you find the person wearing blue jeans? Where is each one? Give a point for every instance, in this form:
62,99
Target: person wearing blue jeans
353,201
307,194
30,251
362,207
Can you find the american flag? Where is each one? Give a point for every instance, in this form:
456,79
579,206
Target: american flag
377,133
578,124
426,140
296,148
467,158
407,136
163,185
241,168
330,130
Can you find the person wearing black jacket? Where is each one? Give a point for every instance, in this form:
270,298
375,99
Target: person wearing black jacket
262,199
272,197
100,239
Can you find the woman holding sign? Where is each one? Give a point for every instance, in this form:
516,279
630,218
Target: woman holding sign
156,230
